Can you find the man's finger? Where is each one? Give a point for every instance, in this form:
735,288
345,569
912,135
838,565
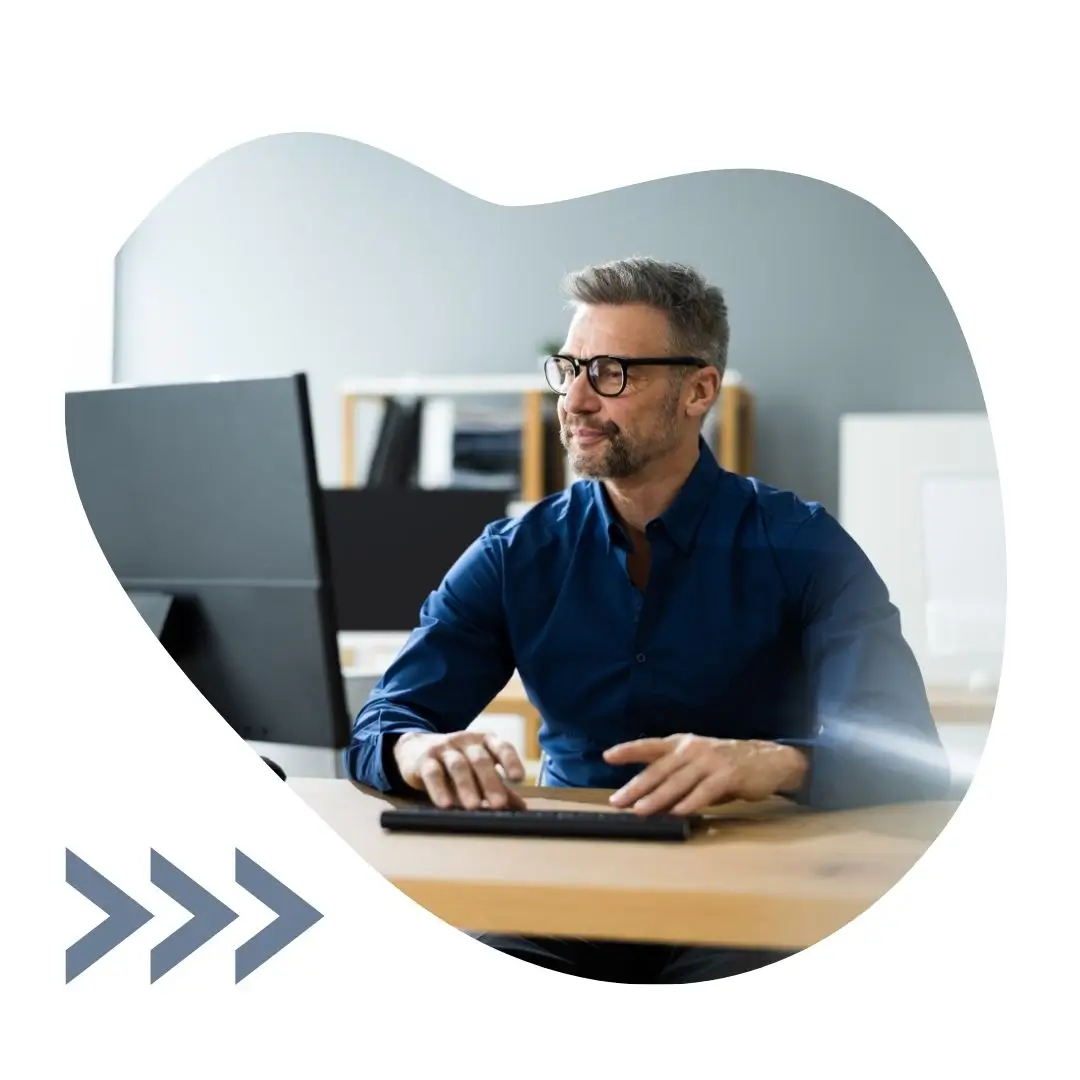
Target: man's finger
462,777
505,754
682,781
713,789
647,780
513,801
492,787
638,750
435,783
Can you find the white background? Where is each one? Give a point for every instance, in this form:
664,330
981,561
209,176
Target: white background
949,117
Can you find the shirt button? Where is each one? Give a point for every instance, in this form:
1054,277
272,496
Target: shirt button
640,658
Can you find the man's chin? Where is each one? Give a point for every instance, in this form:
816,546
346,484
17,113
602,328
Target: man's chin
597,467
589,465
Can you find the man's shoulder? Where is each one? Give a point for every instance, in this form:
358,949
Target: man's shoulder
800,529
777,510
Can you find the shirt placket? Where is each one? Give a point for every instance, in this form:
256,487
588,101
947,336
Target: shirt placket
647,609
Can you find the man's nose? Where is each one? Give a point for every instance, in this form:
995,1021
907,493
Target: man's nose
581,397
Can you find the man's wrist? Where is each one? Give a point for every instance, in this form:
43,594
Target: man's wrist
403,739
793,766
391,762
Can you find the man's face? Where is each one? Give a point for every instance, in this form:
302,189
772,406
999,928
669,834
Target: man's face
614,438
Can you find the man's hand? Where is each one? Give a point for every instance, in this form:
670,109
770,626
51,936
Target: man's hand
459,770
687,773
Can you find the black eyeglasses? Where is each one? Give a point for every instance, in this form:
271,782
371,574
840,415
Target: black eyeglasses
606,374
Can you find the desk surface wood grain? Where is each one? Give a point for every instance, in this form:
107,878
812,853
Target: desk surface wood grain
766,875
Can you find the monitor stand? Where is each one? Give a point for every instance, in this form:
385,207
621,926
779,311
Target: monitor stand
156,608
302,761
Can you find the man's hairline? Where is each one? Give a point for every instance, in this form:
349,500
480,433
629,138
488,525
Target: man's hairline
672,348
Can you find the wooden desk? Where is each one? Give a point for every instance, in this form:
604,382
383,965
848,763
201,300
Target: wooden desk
767,875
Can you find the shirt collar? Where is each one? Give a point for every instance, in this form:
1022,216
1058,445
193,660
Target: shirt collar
683,516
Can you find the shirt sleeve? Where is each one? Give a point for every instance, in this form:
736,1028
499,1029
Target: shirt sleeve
455,661
872,738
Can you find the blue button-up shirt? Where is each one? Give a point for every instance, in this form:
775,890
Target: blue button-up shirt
761,619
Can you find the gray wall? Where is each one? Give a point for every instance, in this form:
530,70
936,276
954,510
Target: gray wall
314,253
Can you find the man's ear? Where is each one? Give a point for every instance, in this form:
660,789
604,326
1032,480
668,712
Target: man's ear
704,390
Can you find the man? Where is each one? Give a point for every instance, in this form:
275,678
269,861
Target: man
689,636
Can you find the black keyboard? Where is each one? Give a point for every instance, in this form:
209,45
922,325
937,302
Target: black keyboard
584,824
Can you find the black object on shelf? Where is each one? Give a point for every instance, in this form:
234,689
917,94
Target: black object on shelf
397,449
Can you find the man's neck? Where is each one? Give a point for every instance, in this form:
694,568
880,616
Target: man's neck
639,499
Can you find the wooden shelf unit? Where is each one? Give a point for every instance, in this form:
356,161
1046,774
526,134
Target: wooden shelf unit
735,428
735,434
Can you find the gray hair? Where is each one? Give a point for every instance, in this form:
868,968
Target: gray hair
696,310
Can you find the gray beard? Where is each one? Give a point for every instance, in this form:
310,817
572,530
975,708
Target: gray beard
619,460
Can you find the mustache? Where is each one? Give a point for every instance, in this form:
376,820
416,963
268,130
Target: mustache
609,428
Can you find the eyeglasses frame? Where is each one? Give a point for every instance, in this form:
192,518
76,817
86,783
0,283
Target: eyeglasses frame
591,367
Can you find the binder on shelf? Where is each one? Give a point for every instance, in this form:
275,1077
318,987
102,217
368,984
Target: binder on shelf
436,467
394,461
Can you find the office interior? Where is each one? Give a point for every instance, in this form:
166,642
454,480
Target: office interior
326,380
417,313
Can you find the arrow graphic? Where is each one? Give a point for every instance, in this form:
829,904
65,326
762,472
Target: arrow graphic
125,916
294,916
209,916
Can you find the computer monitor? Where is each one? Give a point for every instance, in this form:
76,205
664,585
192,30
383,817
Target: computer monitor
205,500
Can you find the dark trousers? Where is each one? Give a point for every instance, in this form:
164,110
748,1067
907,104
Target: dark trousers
631,962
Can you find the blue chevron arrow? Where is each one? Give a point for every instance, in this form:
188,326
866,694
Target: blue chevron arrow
125,916
294,915
209,916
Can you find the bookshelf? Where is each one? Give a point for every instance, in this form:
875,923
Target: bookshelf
734,445
734,427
